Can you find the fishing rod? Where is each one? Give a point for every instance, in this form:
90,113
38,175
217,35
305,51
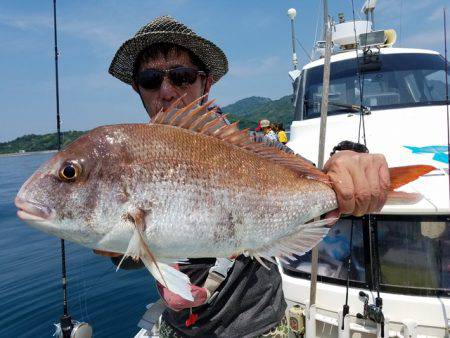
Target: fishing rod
66,328
65,320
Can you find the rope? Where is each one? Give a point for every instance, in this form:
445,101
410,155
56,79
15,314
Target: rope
317,26
360,82
304,50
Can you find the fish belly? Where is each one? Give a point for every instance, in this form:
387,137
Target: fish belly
225,222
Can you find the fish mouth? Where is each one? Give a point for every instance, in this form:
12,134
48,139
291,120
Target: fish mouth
32,211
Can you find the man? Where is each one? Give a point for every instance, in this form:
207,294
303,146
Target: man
164,61
268,131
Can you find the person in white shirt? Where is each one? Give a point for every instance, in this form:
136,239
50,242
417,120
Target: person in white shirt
268,132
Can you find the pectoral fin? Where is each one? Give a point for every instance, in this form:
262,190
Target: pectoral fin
304,239
171,278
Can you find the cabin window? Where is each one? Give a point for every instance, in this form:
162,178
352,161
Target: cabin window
436,83
399,80
414,253
334,252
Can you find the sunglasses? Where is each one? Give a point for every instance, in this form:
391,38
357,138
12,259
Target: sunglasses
153,78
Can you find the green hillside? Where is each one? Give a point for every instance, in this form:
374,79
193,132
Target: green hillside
34,142
248,111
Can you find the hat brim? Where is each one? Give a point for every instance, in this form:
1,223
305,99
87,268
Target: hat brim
212,56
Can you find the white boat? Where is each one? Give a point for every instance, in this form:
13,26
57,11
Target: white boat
403,257
404,253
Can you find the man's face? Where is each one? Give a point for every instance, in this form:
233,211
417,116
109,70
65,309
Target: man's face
155,99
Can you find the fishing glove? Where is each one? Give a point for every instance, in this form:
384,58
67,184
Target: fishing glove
178,303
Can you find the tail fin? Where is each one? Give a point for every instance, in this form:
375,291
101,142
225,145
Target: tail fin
404,175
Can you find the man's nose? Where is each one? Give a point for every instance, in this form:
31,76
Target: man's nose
168,91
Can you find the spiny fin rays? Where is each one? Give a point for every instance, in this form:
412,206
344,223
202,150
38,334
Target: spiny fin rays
304,239
191,116
203,121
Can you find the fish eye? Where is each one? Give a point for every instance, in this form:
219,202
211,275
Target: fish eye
70,171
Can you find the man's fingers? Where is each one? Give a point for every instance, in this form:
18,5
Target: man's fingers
343,187
385,182
360,181
362,188
376,191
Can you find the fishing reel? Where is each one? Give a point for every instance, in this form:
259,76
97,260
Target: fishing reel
373,312
72,329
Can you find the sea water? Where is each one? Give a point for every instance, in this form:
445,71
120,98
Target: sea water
31,297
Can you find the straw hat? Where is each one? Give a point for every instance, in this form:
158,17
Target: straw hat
167,29
265,123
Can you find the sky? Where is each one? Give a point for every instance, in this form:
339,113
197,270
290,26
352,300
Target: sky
254,34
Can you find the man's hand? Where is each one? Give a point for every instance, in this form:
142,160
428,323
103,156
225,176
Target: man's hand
176,302
360,181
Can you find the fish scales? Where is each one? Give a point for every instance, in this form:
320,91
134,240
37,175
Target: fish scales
205,197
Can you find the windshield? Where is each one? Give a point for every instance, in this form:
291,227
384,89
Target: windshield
392,81
413,254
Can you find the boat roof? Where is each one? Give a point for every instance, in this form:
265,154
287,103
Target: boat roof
351,54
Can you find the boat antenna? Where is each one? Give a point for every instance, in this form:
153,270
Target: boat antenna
67,328
291,14
446,94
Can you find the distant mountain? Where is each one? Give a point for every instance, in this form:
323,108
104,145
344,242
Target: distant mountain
34,142
248,111
246,106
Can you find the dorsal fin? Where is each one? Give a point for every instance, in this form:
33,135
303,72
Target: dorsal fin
201,120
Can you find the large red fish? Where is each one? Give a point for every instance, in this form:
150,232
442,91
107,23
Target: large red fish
185,185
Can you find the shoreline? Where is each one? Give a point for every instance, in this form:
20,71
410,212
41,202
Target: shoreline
28,153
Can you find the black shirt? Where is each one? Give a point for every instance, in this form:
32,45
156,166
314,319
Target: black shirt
249,303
